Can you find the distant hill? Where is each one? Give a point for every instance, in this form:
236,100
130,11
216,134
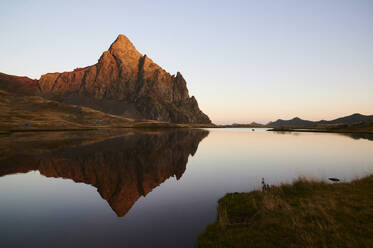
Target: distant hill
293,122
354,118
349,119
245,125
256,124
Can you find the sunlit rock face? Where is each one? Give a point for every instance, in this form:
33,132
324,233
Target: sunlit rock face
19,85
122,168
125,82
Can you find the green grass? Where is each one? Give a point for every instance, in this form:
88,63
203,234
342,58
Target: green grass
303,214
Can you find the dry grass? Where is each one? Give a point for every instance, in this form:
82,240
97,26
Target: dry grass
16,111
44,115
304,214
359,127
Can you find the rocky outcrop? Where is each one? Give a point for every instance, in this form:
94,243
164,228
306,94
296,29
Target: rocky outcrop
122,168
125,82
19,85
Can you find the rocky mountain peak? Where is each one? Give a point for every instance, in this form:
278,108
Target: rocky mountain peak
125,82
122,43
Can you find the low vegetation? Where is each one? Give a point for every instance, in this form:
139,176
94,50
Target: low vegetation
358,127
304,214
33,113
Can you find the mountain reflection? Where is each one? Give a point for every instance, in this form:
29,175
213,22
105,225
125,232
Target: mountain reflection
122,168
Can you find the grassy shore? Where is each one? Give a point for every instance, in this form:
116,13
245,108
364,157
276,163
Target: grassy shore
304,214
359,127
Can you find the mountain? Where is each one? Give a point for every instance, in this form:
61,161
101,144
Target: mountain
354,118
123,82
122,168
247,125
19,85
256,124
293,122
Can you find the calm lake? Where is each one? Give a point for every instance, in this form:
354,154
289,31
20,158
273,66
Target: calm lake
151,188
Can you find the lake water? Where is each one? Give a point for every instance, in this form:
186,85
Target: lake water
150,188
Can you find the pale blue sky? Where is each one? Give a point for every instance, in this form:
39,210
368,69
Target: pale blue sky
243,60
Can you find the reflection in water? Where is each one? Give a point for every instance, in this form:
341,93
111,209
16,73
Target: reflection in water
358,136
126,164
122,168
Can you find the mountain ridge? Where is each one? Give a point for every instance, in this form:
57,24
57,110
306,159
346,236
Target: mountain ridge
296,121
123,82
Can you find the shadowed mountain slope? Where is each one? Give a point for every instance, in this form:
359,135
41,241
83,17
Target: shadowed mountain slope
354,118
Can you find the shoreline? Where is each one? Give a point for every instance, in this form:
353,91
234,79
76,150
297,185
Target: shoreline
174,125
318,131
306,213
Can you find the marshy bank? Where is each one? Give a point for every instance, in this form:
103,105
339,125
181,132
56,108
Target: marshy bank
304,214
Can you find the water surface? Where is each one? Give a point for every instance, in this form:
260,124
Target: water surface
150,188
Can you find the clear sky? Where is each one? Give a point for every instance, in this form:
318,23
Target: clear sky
243,60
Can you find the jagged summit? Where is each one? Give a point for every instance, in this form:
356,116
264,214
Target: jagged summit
125,82
122,43
124,51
